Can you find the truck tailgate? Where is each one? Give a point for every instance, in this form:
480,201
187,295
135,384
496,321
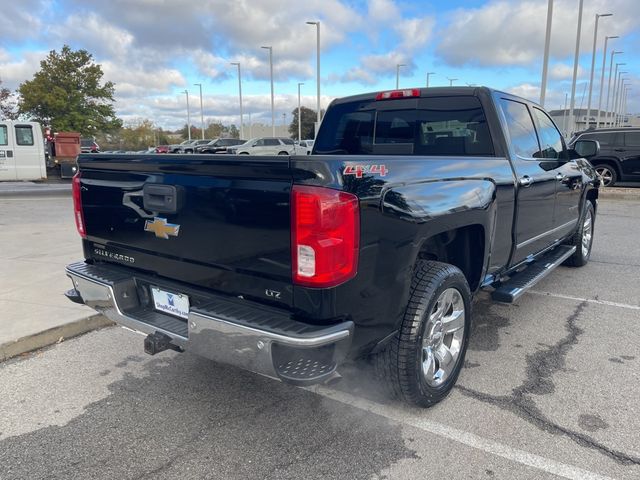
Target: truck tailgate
218,223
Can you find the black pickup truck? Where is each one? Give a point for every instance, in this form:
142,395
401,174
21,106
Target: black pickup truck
374,245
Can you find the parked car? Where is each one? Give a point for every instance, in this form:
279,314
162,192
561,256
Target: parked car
619,157
22,151
177,147
265,146
89,145
304,147
162,149
219,145
191,147
417,200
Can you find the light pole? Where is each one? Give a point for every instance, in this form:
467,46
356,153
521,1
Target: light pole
618,104
451,80
186,92
428,75
623,117
318,115
575,67
299,114
201,110
593,65
398,65
273,112
604,64
240,96
564,115
606,113
616,78
545,60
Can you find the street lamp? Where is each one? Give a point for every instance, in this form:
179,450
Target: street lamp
186,92
451,80
428,75
616,78
593,64
318,117
618,102
575,67
545,61
623,116
240,96
273,113
606,116
299,114
201,110
398,65
604,63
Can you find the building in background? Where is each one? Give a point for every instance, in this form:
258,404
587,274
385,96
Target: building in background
561,117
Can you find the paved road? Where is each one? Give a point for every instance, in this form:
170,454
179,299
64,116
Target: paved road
550,390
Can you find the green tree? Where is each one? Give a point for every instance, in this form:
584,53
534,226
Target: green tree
309,118
7,104
68,93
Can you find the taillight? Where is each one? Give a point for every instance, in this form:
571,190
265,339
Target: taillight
411,92
325,236
77,205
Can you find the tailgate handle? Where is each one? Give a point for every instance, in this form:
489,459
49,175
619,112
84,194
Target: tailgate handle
162,198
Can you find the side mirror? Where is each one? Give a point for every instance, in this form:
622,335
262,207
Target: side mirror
587,148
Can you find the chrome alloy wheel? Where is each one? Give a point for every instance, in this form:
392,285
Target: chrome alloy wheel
442,338
587,233
605,174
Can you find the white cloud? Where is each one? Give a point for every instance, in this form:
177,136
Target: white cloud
512,32
564,71
14,71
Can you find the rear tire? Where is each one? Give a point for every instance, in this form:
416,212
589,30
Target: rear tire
583,238
283,153
422,362
608,175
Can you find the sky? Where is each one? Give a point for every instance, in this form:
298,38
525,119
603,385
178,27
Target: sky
155,49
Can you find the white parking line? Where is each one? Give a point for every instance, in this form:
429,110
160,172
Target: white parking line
398,414
588,300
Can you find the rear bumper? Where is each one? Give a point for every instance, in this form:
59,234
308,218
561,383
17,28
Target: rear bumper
227,330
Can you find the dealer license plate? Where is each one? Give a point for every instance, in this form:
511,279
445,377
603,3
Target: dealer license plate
172,303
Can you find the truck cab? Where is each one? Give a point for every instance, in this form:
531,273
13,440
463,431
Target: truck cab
21,151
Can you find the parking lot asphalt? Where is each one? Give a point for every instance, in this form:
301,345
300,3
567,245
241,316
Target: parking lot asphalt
550,390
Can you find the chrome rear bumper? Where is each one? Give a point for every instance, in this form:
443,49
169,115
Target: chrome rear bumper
227,330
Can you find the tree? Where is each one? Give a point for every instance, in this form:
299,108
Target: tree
68,94
7,104
309,118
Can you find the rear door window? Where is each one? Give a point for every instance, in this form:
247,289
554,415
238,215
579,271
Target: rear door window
632,139
270,142
431,126
24,135
286,141
4,140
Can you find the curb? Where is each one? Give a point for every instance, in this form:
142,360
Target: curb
36,192
53,335
617,193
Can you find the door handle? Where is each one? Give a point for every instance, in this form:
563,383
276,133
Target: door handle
525,181
619,150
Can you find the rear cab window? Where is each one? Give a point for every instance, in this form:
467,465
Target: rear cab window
4,140
24,135
429,126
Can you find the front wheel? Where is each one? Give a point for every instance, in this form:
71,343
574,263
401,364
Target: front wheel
583,238
283,153
422,362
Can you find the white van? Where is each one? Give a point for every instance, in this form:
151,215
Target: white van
21,151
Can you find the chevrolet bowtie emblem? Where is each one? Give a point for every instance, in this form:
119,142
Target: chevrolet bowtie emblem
161,228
